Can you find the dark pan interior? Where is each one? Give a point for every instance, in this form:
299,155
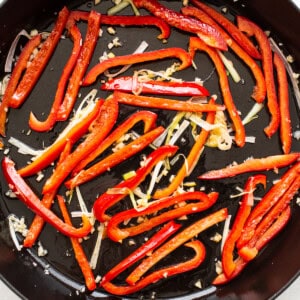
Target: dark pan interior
266,277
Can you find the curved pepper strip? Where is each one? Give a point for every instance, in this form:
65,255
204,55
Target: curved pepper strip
99,129
115,158
16,74
284,107
252,165
155,276
117,234
197,44
78,250
28,197
157,239
190,162
252,29
234,32
249,251
81,66
163,103
72,133
149,118
108,199
48,124
240,263
259,91
47,200
179,239
207,33
156,87
266,203
77,15
40,61
135,58
247,202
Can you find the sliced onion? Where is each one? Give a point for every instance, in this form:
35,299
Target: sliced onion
12,50
230,67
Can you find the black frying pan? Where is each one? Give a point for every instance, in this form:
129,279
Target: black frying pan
265,278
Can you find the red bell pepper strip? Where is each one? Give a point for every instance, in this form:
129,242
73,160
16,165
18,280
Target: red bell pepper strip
135,58
78,250
77,15
47,200
81,66
121,190
247,202
163,103
149,118
240,263
179,239
19,68
115,158
72,133
48,124
267,202
38,222
155,276
157,239
252,165
234,32
252,29
197,44
207,33
259,91
40,61
284,107
27,196
100,128
117,234
190,161
132,84
249,251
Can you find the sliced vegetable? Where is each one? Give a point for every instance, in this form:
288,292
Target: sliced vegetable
117,233
247,202
40,61
81,66
99,129
15,77
252,29
78,250
234,32
284,107
134,85
157,239
162,273
253,165
27,196
149,119
197,44
135,58
182,237
259,91
77,127
115,158
121,190
163,103
48,124
190,162
207,33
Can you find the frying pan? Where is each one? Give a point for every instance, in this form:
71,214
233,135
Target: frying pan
266,277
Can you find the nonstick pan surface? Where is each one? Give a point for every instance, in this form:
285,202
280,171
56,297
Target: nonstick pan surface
56,276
